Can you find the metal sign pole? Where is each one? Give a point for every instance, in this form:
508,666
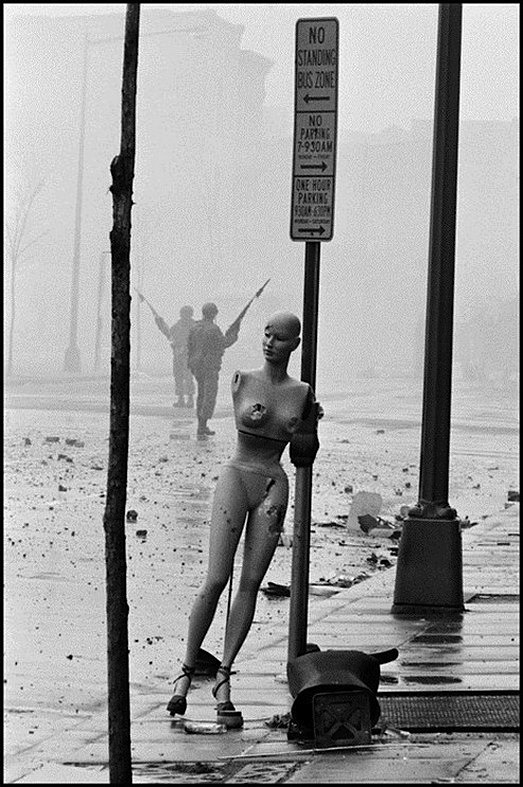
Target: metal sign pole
312,221
303,488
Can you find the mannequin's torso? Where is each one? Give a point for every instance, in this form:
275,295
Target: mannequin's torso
269,409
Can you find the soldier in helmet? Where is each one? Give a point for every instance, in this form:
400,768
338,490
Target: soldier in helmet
206,346
178,335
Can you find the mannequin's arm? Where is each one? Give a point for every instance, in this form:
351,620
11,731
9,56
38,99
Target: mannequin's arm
304,444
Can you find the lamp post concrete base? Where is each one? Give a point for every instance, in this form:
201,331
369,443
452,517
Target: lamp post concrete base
429,572
72,359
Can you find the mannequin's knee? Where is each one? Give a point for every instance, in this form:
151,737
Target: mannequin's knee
214,587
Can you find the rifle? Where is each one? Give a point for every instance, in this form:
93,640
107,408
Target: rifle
143,298
236,324
160,321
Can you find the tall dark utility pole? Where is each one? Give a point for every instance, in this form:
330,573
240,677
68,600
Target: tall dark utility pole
429,573
122,171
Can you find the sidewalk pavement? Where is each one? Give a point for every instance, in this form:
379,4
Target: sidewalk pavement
467,664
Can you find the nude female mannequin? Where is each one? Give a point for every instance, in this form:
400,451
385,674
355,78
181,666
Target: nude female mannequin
271,409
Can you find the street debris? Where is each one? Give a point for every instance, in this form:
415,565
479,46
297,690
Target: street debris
204,728
318,589
363,503
274,589
285,540
379,561
368,523
165,573
332,523
280,721
343,581
465,523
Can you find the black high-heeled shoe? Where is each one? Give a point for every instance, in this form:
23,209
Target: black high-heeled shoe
178,702
226,713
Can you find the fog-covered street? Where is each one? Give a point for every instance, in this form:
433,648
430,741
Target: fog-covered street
179,186
54,499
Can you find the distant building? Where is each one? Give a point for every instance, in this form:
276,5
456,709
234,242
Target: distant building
212,198
199,106
374,272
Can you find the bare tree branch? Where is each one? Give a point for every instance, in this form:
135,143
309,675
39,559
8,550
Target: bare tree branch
32,242
16,229
15,232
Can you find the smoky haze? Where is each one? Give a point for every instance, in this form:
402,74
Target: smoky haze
213,182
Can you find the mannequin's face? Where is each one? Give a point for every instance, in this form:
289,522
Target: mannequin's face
280,337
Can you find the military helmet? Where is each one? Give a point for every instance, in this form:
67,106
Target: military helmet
209,309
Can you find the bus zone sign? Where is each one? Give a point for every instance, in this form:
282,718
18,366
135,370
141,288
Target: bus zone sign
315,129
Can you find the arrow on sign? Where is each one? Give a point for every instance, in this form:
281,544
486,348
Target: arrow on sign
312,230
308,98
321,166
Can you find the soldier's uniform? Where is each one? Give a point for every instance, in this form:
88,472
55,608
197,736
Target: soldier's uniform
206,345
178,336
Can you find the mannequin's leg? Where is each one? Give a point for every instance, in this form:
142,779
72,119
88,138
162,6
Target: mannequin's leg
227,520
264,526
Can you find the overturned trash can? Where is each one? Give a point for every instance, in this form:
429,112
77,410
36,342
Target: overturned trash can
335,696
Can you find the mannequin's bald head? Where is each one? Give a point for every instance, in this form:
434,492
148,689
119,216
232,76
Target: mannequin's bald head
286,322
280,338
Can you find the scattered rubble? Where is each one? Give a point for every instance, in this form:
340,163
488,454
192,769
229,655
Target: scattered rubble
274,589
280,721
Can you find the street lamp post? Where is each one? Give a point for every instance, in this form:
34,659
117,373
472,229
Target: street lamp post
429,573
72,361
99,311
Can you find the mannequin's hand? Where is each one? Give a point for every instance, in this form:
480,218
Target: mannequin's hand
303,448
